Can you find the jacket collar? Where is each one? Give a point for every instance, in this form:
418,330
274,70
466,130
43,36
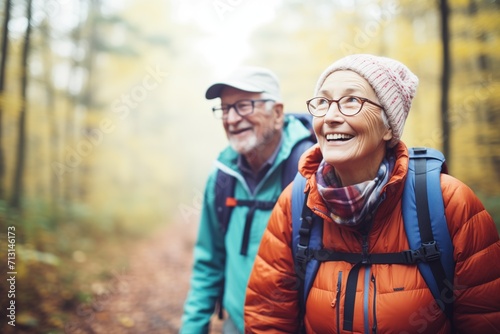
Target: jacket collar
393,190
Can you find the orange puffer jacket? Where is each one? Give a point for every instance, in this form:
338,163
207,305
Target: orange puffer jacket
389,298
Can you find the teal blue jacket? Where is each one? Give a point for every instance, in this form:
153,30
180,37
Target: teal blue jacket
217,259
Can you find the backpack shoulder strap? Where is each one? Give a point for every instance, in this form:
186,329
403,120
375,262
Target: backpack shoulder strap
307,234
224,192
290,165
425,222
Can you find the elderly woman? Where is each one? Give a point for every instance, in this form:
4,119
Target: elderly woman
354,179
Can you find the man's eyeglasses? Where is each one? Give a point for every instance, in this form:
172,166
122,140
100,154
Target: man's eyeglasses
348,105
242,107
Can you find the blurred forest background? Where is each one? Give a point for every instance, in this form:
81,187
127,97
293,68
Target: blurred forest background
106,138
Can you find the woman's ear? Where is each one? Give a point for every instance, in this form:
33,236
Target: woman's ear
388,135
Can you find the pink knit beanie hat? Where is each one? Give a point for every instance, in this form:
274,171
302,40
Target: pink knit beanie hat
394,84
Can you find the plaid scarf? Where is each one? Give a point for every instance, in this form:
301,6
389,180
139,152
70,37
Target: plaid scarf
352,204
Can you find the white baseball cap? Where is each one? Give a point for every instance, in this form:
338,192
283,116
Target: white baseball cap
249,79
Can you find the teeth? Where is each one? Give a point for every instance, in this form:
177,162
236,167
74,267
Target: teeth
337,136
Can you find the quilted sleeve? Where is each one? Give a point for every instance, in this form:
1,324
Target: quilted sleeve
477,252
271,301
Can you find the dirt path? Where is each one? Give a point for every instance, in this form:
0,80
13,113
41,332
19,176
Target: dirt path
149,297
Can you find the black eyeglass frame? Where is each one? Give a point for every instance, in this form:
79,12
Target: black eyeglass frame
362,99
224,115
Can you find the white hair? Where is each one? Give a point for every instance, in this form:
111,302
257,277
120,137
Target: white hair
269,104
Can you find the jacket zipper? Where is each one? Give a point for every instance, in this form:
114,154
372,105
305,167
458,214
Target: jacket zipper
366,287
336,300
374,328
351,287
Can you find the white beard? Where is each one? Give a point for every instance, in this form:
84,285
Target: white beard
244,146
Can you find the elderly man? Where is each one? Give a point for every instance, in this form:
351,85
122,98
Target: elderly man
264,146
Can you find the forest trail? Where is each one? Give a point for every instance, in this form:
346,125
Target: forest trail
149,296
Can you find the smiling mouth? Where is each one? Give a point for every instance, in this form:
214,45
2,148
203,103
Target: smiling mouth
237,132
338,137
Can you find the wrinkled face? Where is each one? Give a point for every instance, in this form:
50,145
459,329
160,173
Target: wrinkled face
254,131
357,141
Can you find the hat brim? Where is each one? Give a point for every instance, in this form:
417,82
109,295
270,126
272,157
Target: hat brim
215,90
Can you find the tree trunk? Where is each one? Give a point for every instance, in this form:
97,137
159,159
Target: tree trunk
21,144
445,79
51,116
69,133
85,168
3,62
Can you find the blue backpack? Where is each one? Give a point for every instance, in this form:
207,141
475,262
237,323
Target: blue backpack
425,226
